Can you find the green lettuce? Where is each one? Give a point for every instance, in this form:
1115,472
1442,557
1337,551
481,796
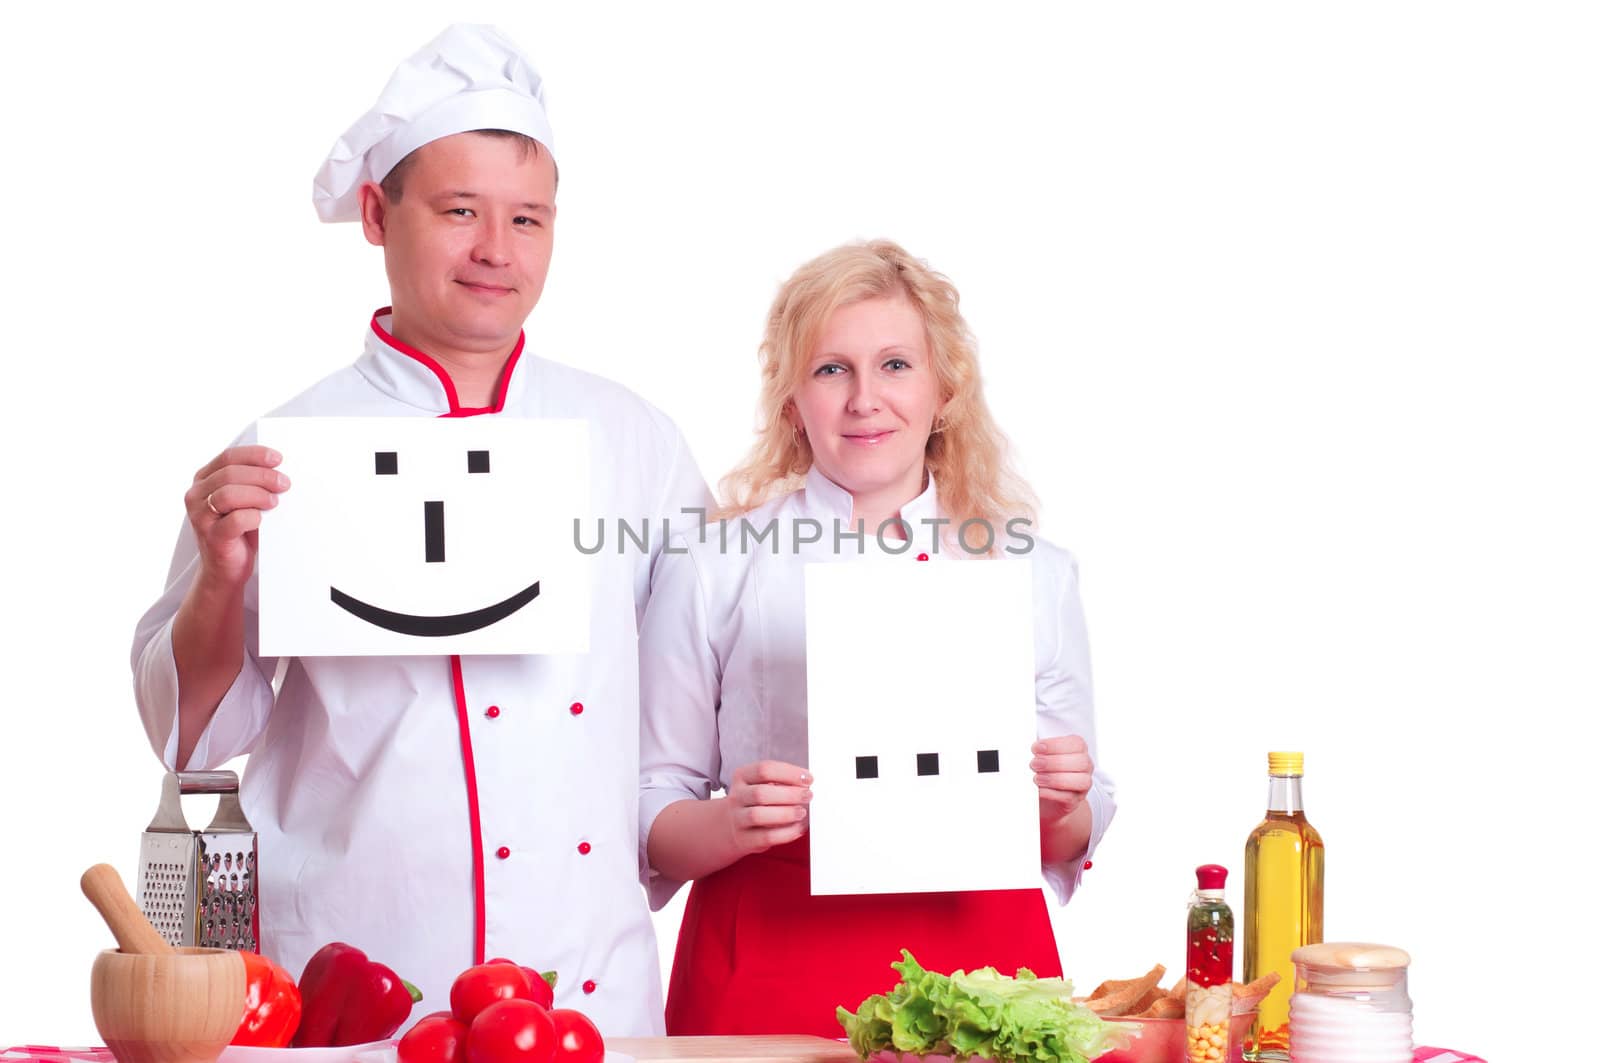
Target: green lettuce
1012,1020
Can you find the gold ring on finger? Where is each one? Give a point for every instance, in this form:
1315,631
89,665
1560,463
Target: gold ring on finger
212,507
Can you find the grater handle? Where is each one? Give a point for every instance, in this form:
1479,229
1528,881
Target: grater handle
104,888
169,814
207,782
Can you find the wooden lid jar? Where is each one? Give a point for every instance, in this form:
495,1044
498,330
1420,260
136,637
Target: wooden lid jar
1350,1004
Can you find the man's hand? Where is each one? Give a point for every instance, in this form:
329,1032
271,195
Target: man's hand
225,504
767,805
1063,771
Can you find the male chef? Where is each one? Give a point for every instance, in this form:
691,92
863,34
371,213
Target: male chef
436,811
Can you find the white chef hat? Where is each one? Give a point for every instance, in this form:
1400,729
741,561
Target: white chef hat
468,77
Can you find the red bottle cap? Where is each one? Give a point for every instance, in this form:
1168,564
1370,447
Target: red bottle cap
1211,876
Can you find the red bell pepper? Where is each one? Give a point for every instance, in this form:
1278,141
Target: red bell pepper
350,1000
271,1004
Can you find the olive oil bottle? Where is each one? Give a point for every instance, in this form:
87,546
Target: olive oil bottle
1283,867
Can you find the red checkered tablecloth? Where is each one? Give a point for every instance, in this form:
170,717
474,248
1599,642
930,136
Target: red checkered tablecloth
43,1054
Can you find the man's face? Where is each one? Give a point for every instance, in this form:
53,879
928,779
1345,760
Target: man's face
467,245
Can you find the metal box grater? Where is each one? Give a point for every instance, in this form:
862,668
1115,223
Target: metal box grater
199,887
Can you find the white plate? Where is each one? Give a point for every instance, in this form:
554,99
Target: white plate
338,1054
385,1052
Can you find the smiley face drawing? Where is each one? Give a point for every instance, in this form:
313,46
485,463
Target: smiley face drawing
387,463
425,536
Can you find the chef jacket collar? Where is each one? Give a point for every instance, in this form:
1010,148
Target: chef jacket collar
415,378
828,501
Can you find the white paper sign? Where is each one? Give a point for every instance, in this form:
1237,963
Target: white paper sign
920,708
424,535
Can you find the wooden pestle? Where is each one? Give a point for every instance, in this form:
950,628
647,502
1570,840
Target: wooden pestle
104,888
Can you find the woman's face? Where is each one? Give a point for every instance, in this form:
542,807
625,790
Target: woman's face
869,398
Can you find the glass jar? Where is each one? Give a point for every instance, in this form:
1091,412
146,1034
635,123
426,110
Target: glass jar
1350,1004
1208,959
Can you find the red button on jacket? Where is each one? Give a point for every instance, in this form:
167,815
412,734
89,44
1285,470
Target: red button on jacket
502,852
492,712
576,708
589,987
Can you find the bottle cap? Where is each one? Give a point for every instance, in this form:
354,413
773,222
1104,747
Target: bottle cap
1286,763
1211,876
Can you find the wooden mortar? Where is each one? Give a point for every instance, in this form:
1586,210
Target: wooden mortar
153,1003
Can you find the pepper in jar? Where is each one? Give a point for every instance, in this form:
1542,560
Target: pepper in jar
1209,967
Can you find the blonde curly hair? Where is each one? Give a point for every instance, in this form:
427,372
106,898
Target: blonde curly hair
966,453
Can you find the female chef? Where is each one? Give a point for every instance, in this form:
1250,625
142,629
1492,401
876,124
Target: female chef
873,420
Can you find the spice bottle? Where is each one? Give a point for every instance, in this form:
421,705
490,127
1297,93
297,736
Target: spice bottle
1208,965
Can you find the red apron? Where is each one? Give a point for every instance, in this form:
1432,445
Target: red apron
758,954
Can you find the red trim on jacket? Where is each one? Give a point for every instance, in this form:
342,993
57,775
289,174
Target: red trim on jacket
458,682
471,771
456,409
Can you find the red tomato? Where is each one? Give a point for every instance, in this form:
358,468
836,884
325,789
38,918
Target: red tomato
543,993
478,987
577,1040
512,1031
436,1038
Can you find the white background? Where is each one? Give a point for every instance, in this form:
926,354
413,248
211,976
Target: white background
1290,311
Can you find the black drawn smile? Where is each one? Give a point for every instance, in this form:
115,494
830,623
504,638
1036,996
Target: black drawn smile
434,626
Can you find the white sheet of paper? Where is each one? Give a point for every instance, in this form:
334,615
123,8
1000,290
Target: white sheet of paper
431,558
905,659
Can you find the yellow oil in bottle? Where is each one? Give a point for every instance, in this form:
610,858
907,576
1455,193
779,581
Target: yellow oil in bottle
1283,873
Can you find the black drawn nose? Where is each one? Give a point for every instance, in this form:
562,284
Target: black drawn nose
433,530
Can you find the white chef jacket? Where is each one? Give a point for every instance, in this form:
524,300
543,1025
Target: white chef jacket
722,659
356,782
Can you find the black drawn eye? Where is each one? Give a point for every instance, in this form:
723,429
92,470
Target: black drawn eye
477,461
988,760
927,763
386,463
866,767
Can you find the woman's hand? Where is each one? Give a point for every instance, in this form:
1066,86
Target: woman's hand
767,804
1063,771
